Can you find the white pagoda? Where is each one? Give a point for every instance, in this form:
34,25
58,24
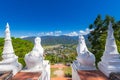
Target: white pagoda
110,61
85,59
35,61
10,60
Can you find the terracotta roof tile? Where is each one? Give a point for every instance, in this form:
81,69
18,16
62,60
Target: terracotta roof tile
27,76
91,75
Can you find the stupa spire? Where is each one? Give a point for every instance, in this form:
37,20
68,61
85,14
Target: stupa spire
110,31
110,47
7,25
8,48
7,32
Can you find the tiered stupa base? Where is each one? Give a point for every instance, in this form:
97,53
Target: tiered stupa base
7,67
82,67
86,73
111,65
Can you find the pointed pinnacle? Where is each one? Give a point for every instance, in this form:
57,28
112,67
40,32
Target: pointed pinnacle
7,25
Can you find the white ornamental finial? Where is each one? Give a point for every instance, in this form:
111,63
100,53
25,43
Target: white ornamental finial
38,46
81,45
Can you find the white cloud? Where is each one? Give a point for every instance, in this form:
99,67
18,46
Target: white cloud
49,34
55,33
41,34
58,33
87,31
82,32
23,37
72,34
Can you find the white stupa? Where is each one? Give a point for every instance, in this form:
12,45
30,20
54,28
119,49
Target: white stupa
10,60
35,61
110,61
85,59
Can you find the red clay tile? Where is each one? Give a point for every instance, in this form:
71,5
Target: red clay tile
27,76
91,75
61,78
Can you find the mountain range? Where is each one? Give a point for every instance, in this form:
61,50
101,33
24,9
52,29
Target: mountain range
54,40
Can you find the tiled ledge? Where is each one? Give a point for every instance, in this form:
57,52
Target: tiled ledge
91,75
6,75
27,76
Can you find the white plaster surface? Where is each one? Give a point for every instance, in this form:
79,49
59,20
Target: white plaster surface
10,60
35,61
110,61
85,58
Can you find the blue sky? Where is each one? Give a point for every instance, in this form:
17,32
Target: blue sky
48,17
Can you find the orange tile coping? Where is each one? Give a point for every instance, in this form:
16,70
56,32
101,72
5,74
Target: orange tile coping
60,78
27,76
91,75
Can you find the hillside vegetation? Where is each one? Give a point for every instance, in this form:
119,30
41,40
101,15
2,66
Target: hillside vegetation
55,40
